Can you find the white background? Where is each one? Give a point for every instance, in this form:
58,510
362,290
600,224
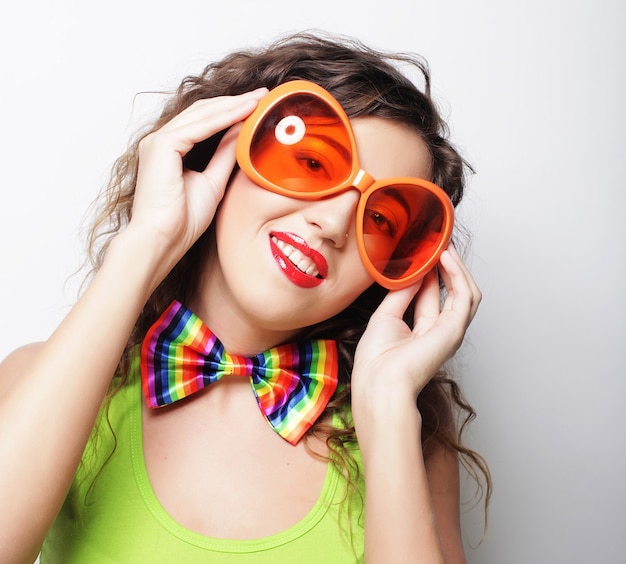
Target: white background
535,94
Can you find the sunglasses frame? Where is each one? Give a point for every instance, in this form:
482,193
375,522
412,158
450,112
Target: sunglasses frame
358,178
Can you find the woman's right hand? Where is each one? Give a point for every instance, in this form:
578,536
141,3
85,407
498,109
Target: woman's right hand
173,205
42,439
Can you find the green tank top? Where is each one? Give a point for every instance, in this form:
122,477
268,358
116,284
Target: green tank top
111,513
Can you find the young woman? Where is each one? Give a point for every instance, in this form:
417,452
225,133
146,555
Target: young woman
123,440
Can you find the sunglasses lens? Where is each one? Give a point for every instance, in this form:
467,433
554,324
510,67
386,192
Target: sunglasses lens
302,145
404,226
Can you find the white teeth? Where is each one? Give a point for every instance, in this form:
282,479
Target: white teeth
296,257
300,261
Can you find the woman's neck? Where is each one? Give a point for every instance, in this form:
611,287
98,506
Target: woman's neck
239,332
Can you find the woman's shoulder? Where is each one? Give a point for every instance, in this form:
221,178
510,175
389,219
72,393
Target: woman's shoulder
17,361
23,353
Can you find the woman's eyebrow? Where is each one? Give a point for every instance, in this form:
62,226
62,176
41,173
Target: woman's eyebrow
397,195
345,153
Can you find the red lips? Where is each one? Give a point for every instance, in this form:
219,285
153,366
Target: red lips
306,254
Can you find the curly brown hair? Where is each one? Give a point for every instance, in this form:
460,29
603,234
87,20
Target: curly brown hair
366,82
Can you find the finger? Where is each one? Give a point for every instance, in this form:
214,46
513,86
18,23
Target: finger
205,108
206,195
205,118
223,160
476,294
427,304
470,278
460,298
396,302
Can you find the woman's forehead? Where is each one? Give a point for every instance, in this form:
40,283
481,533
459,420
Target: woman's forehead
388,148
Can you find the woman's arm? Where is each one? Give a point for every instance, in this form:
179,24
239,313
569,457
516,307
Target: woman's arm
442,471
50,394
407,519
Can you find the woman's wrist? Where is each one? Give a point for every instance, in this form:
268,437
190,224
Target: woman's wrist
140,255
383,413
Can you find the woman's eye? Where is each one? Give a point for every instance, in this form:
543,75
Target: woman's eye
381,224
314,165
386,214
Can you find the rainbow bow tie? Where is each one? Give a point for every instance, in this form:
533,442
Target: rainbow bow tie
292,383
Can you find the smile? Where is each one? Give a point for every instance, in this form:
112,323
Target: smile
303,265
301,262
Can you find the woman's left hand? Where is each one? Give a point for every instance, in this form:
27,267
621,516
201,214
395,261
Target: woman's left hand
392,361
392,365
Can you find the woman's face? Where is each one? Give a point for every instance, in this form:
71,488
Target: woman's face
283,264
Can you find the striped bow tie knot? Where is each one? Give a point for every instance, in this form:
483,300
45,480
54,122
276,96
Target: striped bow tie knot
292,383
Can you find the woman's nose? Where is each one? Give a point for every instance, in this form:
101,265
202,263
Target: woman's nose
334,216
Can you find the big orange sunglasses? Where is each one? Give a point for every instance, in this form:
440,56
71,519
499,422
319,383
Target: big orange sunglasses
299,143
